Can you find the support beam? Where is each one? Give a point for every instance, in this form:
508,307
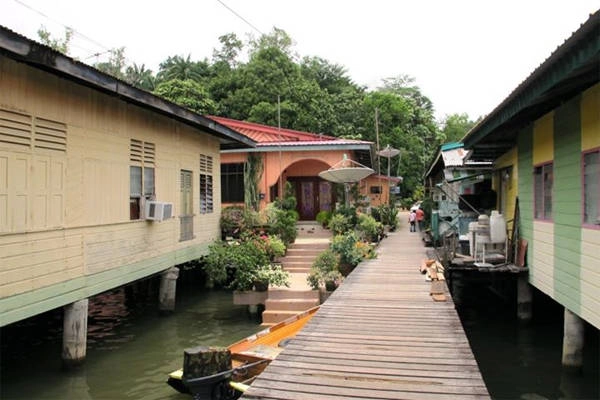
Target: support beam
74,333
524,297
572,355
168,286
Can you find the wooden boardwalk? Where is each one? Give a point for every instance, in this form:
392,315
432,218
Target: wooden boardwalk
379,336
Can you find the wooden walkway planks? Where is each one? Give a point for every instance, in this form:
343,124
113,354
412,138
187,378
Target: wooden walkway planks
379,336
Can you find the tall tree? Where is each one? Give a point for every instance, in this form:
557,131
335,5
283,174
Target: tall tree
455,126
139,76
177,67
187,93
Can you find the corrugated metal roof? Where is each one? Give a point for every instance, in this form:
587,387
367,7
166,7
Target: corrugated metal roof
266,135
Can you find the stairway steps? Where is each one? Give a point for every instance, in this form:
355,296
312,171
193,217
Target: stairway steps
273,317
279,294
297,305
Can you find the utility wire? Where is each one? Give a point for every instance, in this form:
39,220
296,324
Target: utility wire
240,17
75,31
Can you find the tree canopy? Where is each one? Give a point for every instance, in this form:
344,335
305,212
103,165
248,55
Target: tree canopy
247,80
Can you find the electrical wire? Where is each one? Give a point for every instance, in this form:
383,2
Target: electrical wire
240,17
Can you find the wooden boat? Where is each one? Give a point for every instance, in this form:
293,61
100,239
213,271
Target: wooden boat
249,356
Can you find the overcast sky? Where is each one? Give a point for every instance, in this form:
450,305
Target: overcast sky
466,56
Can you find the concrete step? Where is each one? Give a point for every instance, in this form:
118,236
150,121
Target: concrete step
306,262
280,294
273,317
297,305
298,270
304,252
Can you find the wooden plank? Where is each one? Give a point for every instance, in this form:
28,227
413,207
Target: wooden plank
379,336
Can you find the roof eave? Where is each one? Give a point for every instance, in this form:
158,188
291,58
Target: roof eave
571,68
43,57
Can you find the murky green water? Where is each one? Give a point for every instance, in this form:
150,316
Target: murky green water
523,362
131,349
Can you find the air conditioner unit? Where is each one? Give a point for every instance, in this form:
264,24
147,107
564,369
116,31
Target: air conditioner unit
158,210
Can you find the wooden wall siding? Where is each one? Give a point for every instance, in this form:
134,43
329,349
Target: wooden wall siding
525,185
590,238
543,139
566,207
590,276
85,192
590,118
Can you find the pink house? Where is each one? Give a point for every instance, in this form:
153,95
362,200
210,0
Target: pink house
296,157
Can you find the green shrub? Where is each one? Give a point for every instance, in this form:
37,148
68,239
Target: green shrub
236,219
339,224
369,229
323,217
325,270
346,246
388,216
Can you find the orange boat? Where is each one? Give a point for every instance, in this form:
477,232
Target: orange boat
249,357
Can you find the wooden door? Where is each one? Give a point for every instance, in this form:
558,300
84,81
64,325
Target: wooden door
307,200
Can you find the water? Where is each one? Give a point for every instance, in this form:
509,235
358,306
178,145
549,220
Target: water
131,349
524,361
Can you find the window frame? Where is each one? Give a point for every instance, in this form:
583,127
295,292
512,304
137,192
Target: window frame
206,185
225,185
585,224
143,157
544,217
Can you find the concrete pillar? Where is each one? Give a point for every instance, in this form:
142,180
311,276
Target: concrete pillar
524,297
168,286
572,355
74,333
253,308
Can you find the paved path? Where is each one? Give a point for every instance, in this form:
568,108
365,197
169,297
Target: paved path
379,336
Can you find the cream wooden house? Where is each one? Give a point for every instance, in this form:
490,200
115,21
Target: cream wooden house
81,157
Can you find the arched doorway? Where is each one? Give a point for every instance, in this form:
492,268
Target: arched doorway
313,194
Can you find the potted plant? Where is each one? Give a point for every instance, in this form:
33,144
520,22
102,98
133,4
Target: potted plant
324,275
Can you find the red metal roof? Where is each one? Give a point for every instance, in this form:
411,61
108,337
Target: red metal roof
266,135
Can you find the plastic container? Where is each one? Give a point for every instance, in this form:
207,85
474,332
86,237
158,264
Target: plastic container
497,228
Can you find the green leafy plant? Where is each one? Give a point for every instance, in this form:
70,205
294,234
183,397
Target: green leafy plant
339,224
236,220
388,216
325,269
282,223
260,277
346,246
369,229
323,217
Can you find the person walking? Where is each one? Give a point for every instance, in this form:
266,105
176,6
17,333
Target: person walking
420,214
412,217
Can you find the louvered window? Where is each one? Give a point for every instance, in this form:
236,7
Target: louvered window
15,129
141,175
50,135
22,131
206,184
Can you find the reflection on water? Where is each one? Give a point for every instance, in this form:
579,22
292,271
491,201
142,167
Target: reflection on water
524,361
131,349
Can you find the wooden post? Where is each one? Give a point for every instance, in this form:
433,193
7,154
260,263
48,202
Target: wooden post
168,286
74,333
572,355
203,361
524,296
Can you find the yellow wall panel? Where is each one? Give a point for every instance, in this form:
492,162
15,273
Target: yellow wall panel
590,118
85,191
543,139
